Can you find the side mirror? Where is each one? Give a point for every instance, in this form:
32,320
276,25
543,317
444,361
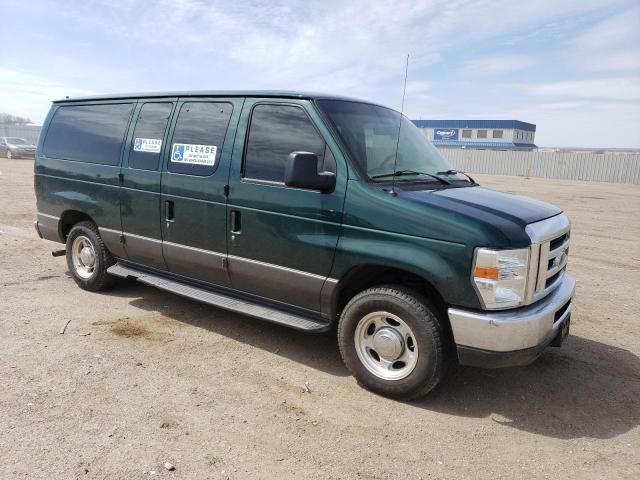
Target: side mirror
301,171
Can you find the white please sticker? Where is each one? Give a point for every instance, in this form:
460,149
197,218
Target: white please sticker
194,154
149,145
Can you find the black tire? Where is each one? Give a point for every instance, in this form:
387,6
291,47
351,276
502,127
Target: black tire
420,316
98,279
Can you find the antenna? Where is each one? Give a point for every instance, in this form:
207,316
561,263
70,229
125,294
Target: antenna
395,162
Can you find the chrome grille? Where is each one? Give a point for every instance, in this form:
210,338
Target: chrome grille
553,262
549,253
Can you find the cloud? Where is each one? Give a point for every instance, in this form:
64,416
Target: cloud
617,31
418,86
626,60
349,47
622,89
35,94
560,105
604,124
499,64
610,45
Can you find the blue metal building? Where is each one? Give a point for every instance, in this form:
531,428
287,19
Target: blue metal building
484,134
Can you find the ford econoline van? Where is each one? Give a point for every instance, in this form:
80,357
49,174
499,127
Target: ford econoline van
310,211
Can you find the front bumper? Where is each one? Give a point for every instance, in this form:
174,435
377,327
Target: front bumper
512,337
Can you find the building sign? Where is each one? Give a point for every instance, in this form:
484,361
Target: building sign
445,134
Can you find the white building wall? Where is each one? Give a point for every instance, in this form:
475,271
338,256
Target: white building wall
508,135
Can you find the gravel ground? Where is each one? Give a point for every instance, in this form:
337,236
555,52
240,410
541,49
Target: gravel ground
142,377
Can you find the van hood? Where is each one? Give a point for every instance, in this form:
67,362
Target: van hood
484,204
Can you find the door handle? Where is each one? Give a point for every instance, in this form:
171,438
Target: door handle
235,221
169,210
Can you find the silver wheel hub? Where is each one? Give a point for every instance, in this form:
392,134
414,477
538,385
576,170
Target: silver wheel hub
386,345
87,257
83,257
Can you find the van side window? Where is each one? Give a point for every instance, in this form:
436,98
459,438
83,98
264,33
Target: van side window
88,133
199,137
148,134
275,132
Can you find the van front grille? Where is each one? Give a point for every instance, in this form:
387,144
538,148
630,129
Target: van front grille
553,262
549,250
556,242
552,279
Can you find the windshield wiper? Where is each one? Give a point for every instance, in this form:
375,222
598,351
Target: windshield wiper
458,172
400,173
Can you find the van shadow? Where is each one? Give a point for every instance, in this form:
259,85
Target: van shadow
319,351
584,389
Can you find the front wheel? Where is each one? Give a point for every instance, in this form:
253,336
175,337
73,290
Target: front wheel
88,258
392,341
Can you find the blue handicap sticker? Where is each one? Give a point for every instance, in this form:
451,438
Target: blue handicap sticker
178,152
138,145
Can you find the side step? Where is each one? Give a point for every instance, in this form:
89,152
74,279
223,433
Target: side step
221,300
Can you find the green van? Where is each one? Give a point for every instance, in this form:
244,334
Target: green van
310,211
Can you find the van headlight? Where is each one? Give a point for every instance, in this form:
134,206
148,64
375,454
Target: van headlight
500,277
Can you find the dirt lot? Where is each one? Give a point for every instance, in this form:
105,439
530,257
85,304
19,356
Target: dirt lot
142,377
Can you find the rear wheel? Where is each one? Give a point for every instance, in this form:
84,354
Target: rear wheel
88,258
393,342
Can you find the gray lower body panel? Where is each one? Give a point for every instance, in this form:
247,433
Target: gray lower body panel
222,300
144,250
284,284
112,241
202,265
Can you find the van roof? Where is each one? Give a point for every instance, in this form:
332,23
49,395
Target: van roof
214,93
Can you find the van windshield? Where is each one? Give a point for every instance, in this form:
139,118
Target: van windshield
370,132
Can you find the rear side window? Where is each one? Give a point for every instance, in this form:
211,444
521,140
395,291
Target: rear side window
275,132
198,137
148,134
88,133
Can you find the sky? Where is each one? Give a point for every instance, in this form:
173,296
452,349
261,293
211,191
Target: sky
572,66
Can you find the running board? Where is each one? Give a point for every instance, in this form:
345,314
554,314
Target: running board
221,300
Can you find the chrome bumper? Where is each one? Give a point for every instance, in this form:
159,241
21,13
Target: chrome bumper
529,328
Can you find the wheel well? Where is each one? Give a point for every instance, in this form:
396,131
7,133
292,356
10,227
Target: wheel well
367,276
68,219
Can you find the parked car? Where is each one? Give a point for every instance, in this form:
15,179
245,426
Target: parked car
309,211
14,147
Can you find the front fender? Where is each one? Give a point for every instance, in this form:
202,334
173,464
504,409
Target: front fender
444,265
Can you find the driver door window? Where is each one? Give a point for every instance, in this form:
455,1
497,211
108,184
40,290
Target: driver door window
275,132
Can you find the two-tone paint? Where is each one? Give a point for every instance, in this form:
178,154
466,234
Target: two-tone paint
296,248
